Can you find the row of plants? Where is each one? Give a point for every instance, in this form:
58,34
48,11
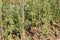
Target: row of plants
49,17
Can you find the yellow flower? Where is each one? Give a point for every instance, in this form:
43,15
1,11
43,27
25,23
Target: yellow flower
54,23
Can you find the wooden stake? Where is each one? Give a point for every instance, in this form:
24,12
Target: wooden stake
1,20
22,28
39,12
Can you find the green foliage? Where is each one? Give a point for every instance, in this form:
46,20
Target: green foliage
49,11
